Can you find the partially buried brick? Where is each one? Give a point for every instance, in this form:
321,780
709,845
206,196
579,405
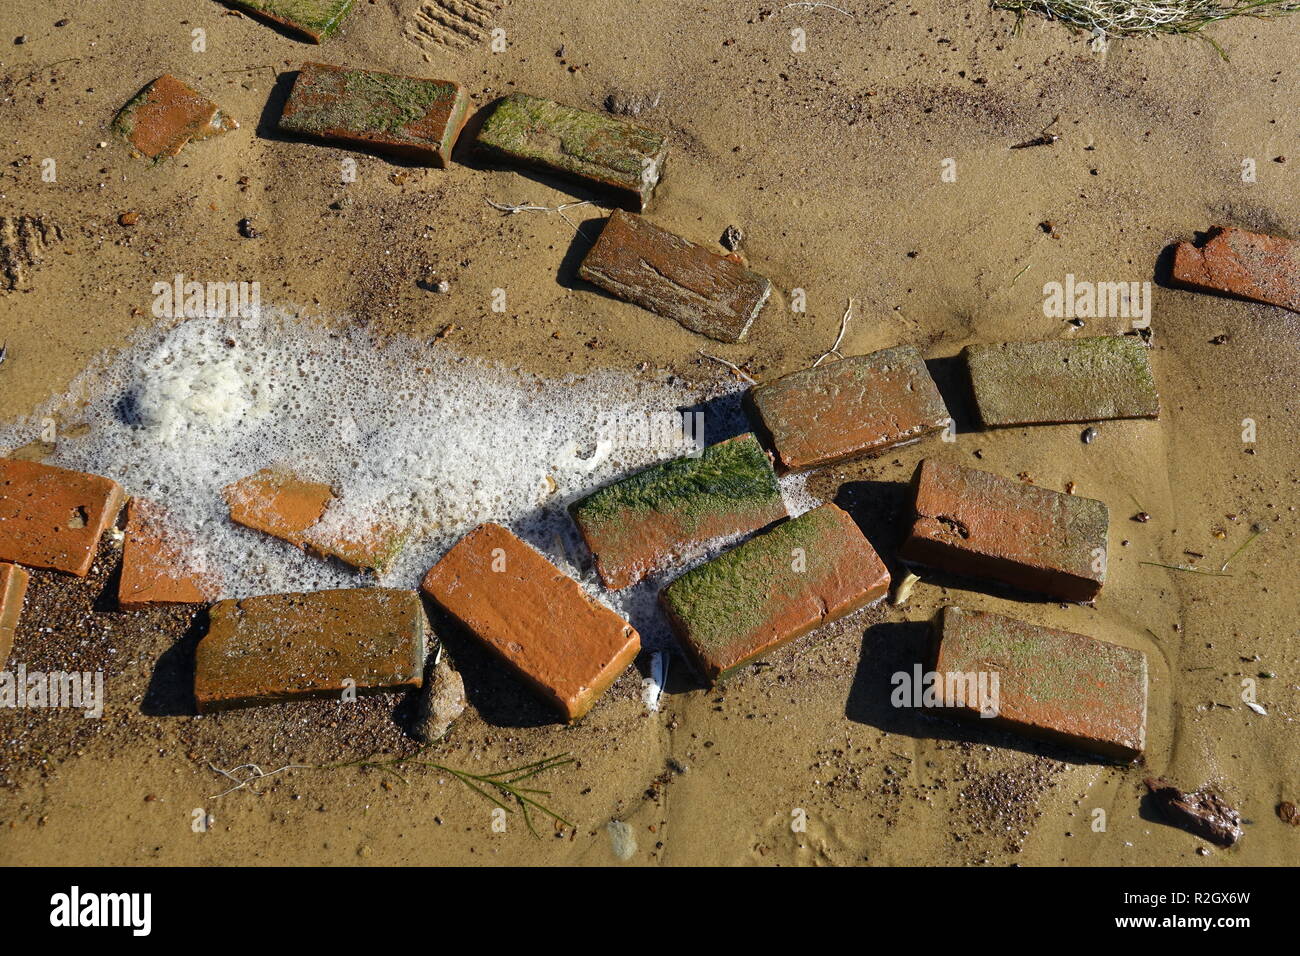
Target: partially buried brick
52,517
312,20
167,114
707,293
537,619
805,572
13,588
404,116
278,647
860,405
156,562
1244,264
279,503
1071,380
596,149
644,522
1050,684
982,525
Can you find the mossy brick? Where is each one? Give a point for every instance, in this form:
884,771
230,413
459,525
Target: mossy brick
1247,265
13,588
609,154
278,647
859,405
982,525
534,617
1051,684
312,20
1066,380
673,277
777,586
165,115
404,116
53,518
155,564
644,522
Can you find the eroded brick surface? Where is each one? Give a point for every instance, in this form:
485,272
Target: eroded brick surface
52,517
13,588
278,647
707,293
805,572
859,405
1243,264
609,154
983,525
1051,684
1072,380
404,116
312,20
539,620
155,563
166,115
642,523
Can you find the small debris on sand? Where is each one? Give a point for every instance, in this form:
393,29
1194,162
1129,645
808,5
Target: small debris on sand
1202,812
732,237
1288,812
632,104
442,701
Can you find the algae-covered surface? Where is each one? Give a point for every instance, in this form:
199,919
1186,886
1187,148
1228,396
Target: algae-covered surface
315,19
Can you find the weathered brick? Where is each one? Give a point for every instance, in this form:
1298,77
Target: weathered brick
278,647
644,522
983,525
154,567
285,506
805,572
860,405
707,293
167,114
53,518
13,588
596,149
539,620
404,116
1067,380
1051,684
1243,264
312,20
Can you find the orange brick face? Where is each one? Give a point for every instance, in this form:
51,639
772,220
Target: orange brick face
13,588
53,518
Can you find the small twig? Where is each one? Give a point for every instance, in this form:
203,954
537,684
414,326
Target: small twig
1183,567
511,209
1242,548
844,325
735,368
257,774
810,5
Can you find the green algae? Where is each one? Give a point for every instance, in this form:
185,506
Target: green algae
316,18
363,101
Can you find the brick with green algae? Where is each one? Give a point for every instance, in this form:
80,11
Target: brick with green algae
594,148
1060,381
644,522
777,586
1051,684
404,116
313,20
167,114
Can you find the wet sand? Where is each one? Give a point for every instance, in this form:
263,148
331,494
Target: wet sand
830,162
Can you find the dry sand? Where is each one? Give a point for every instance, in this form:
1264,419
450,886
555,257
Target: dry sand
830,161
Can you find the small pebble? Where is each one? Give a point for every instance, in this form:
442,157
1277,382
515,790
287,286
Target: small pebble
247,230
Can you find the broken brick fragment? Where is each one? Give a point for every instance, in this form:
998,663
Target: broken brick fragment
1202,812
278,647
1068,380
154,562
13,588
705,292
777,586
52,517
536,618
167,114
1051,684
642,523
860,405
404,116
312,20
1244,264
595,149
982,525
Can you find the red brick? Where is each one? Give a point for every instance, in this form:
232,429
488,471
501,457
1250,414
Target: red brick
1053,685
540,621
166,115
860,405
154,567
1247,265
53,518
278,647
13,588
983,525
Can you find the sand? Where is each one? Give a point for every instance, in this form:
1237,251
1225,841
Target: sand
830,160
